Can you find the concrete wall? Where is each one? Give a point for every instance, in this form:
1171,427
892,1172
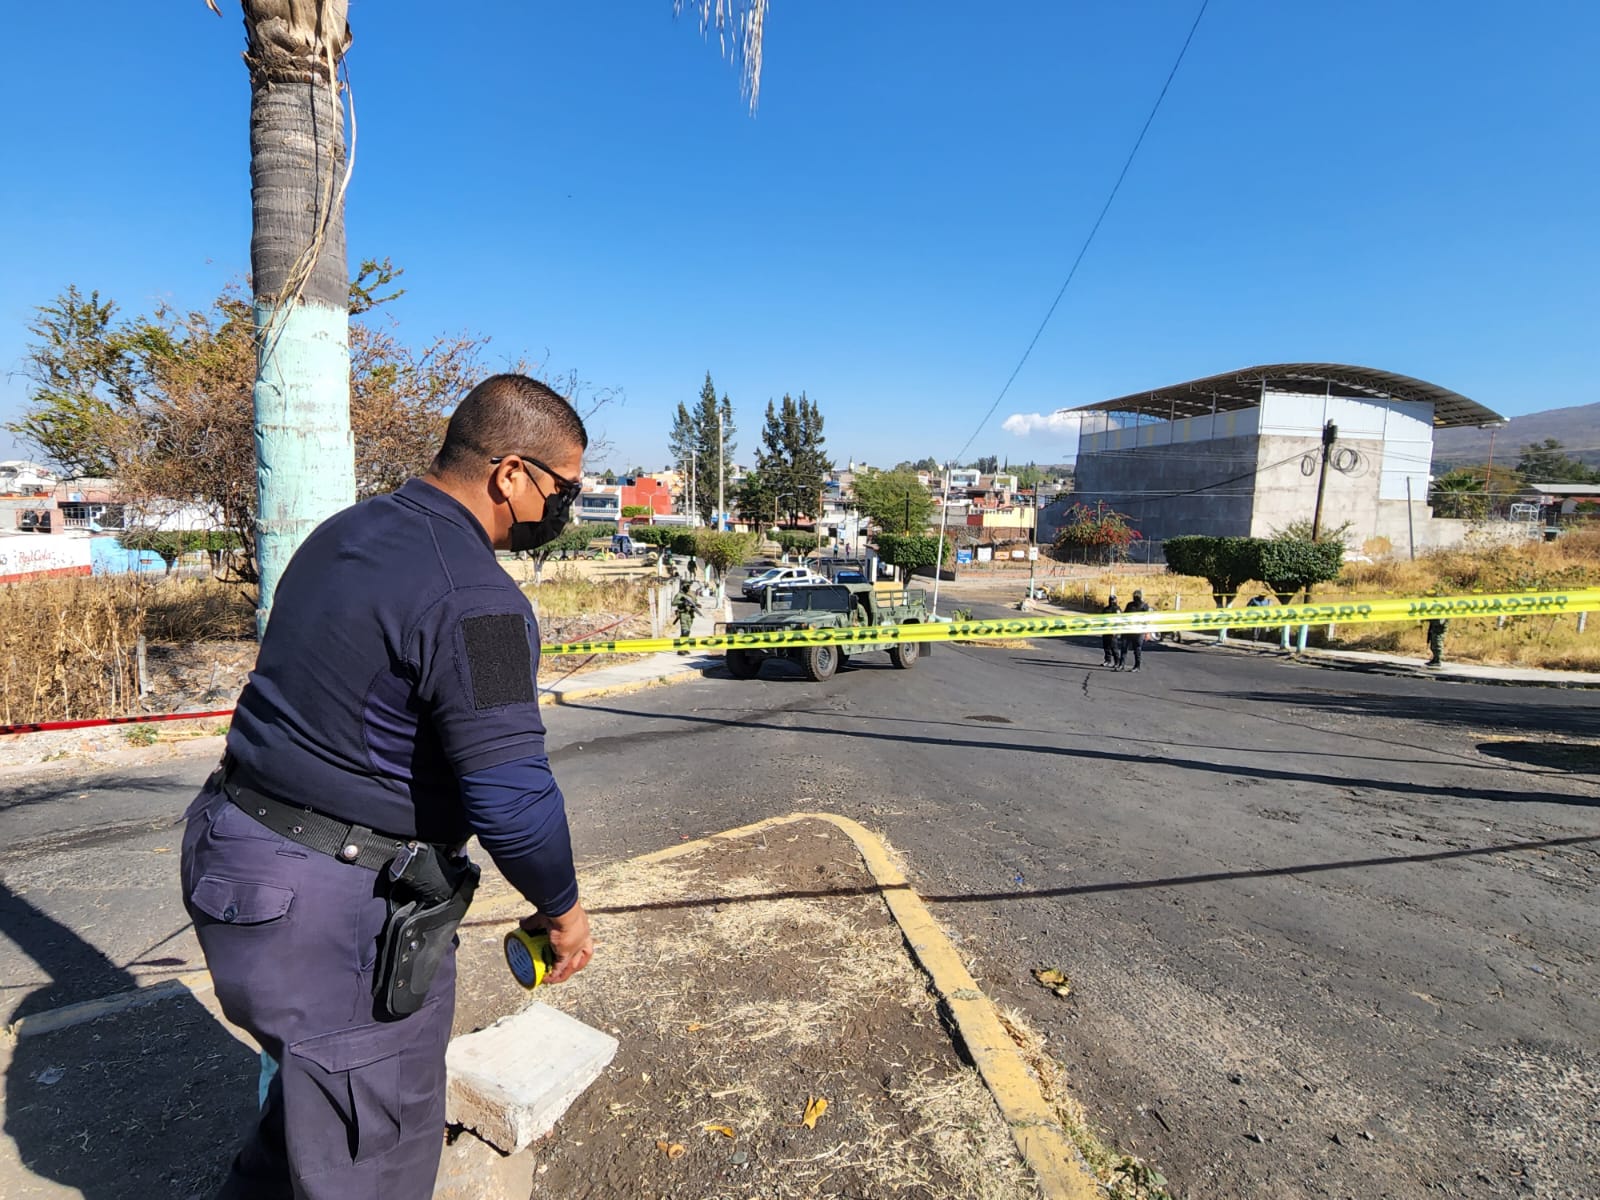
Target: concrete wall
1159,486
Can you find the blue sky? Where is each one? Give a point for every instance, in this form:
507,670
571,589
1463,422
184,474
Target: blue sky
1406,186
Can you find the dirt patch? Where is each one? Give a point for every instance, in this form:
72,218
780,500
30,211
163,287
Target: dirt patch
746,982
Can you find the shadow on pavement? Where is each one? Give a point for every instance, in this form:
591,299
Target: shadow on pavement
146,1102
1485,713
1091,889
1145,759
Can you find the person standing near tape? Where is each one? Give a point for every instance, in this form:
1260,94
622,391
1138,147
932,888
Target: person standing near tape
1108,641
1132,641
392,714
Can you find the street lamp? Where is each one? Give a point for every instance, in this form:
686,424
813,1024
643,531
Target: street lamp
1493,427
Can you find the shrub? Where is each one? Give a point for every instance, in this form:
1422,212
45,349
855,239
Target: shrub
912,552
794,541
1223,562
1286,565
1099,533
638,510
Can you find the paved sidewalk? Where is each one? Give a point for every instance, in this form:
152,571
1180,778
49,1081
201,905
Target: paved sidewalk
556,685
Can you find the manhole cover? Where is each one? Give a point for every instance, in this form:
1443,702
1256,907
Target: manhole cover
991,719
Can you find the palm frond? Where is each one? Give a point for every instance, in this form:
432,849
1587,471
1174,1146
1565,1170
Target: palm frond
740,25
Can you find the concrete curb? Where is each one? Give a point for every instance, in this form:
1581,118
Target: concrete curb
191,983
568,695
1044,1144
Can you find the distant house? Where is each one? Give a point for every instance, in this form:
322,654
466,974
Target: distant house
1559,499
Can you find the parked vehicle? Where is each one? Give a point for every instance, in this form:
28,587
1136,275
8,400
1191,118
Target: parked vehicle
755,587
828,606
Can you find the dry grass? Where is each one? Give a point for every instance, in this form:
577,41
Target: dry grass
566,593
67,646
833,968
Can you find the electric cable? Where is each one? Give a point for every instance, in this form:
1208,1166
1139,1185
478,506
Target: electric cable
1093,229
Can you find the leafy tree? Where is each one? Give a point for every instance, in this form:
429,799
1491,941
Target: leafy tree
757,499
637,510
1223,562
1030,477
683,444
1099,533
172,544
84,374
695,438
723,550
795,541
610,477
792,460
1459,494
914,551
987,465
1548,462
1288,565
894,501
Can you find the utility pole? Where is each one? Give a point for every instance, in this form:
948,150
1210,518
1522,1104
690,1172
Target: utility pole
1330,432
944,522
694,505
719,467
1033,540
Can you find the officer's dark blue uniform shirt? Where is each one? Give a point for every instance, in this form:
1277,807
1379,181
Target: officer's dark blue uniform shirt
395,688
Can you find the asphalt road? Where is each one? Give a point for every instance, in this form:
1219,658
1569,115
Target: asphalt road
1329,934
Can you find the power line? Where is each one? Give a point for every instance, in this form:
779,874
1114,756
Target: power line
1093,229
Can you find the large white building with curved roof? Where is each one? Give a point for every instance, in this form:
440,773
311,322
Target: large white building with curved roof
1239,454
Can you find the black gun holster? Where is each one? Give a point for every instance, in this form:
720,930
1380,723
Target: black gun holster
429,893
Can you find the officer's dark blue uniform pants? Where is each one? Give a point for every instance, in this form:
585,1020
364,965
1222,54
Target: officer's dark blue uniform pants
1131,642
356,1110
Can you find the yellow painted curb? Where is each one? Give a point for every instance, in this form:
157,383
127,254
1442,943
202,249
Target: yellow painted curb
1034,1127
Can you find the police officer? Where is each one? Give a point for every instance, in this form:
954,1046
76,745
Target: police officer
1108,641
1133,641
392,713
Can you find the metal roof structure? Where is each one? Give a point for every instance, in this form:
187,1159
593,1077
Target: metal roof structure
1242,389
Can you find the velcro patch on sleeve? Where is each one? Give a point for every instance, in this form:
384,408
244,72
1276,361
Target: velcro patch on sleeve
499,660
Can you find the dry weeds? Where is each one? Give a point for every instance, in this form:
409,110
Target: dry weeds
818,966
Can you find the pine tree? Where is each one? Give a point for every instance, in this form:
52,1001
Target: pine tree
792,461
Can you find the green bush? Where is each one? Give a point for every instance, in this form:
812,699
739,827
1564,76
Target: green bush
1223,562
638,510
652,535
795,541
1284,564
912,552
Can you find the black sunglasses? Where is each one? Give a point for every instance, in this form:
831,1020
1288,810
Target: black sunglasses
570,488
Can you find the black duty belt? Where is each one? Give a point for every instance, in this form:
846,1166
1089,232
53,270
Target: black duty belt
347,842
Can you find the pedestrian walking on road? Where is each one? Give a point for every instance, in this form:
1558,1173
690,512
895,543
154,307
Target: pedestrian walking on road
1436,632
1133,641
392,714
1108,641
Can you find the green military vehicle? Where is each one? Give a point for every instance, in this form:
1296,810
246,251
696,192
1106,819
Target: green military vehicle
827,606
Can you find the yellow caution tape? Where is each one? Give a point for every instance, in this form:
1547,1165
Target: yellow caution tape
1344,612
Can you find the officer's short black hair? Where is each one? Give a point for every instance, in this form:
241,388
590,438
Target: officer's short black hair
508,414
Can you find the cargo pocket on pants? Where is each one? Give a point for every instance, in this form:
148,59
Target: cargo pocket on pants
344,1098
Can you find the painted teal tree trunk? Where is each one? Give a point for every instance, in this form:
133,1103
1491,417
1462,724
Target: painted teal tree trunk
305,459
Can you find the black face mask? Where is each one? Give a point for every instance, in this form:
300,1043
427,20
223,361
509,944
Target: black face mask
530,535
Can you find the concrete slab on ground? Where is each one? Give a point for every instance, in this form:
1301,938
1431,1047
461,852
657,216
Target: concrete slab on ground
511,1082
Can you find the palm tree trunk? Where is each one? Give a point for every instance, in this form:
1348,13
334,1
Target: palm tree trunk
305,460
